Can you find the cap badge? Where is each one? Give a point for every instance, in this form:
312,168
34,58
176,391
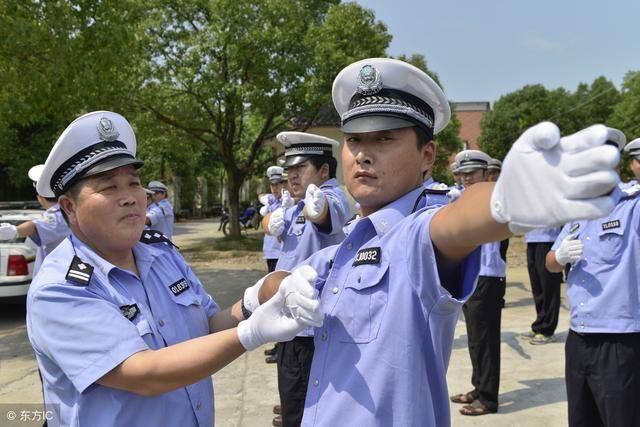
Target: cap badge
107,130
369,80
467,157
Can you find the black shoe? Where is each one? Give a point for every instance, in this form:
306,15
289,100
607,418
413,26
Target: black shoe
270,352
277,421
271,359
277,409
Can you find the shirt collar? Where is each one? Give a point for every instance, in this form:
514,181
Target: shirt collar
429,181
332,182
386,218
144,256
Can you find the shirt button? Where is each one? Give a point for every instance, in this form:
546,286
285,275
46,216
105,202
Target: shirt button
198,406
324,336
161,322
349,246
359,279
335,290
581,304
316,382
588,238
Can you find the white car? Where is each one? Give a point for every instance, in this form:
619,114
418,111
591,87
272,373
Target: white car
17,256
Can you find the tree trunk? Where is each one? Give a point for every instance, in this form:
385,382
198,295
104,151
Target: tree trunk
235,182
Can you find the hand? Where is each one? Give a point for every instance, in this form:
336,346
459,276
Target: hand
276,222
315,202
264,199
8,231
264,210
547,181
298,287
271,322
286,201
570,251
453,194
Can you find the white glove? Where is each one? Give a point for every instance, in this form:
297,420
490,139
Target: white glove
570,251
264,199
315,202
547,180
453,194
286,201
276,222
8,231
271,322
297,281
264,210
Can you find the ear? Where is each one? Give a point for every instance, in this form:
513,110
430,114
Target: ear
68,205
324,171
428,156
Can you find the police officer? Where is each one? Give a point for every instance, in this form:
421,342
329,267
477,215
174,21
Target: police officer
633,150
482,311
306,227
47,232
160,212
545,285
123,331
602,351
493,170
392,290
270,202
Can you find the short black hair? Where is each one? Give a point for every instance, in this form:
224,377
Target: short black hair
318,161
422,137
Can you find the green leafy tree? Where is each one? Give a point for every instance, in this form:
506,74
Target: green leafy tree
626,113
447,141
231,74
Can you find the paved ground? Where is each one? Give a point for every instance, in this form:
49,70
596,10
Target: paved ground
532,389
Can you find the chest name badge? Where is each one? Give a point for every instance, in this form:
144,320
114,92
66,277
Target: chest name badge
368,256
300,220
611,224
179,287
130,311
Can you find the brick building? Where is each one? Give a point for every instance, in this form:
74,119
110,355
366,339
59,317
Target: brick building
470,115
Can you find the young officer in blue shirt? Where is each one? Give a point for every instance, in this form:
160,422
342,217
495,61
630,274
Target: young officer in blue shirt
47,232
271,245
602,352
123,332
160,213
483,310
310,225
392,290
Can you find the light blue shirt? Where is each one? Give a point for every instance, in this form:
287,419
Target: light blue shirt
542,235
80,333
50,231
382,353
161,216
492,264
271,245
603,287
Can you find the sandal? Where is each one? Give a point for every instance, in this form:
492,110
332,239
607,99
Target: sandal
464,398
476,408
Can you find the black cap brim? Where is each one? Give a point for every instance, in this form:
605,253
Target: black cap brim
111,164
294,161
373,123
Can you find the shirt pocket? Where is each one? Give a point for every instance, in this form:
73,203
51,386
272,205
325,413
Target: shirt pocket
610,245
363,303
193,313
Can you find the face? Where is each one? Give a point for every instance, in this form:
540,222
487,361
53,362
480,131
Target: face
457,179
158,195
493,175
276,188
380,167
471,177
635,167
107,211
304,174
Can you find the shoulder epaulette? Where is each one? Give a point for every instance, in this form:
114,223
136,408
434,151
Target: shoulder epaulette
154,236
350,220
79,272
434,191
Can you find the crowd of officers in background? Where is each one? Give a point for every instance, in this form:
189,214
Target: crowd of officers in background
548,253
